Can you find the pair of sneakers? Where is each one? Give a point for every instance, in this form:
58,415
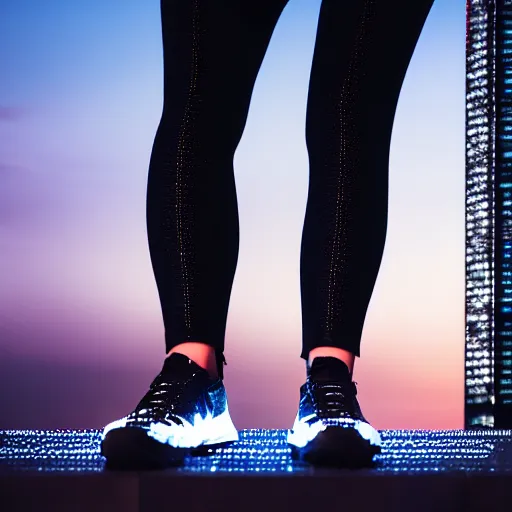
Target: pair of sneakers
186,410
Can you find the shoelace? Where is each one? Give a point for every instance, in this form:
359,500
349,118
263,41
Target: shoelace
332,398
162,398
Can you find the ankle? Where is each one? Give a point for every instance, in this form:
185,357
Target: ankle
201,353
347,357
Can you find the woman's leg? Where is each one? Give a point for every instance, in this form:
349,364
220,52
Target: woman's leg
362,52
212,51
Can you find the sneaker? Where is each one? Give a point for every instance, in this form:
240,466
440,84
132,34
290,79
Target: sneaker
330,428
184,409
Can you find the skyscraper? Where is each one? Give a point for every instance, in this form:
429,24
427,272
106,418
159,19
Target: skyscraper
488,362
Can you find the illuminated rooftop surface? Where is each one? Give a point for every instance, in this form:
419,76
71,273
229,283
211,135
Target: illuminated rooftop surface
266,451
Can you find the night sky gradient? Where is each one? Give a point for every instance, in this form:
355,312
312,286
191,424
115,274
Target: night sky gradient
81,333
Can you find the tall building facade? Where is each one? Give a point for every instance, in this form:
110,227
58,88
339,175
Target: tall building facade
488,336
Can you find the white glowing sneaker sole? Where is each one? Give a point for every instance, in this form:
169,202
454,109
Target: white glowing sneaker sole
199,432
158,446
344,441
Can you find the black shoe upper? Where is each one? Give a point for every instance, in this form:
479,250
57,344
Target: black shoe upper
329,392
179,392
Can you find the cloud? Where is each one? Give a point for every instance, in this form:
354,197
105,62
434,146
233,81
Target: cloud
7,170
10,113
22,195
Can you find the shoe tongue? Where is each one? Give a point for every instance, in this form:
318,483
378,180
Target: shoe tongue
179,366
326,369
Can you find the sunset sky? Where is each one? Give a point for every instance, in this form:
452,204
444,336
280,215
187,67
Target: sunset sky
81,333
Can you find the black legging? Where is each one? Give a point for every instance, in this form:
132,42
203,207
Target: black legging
213,50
